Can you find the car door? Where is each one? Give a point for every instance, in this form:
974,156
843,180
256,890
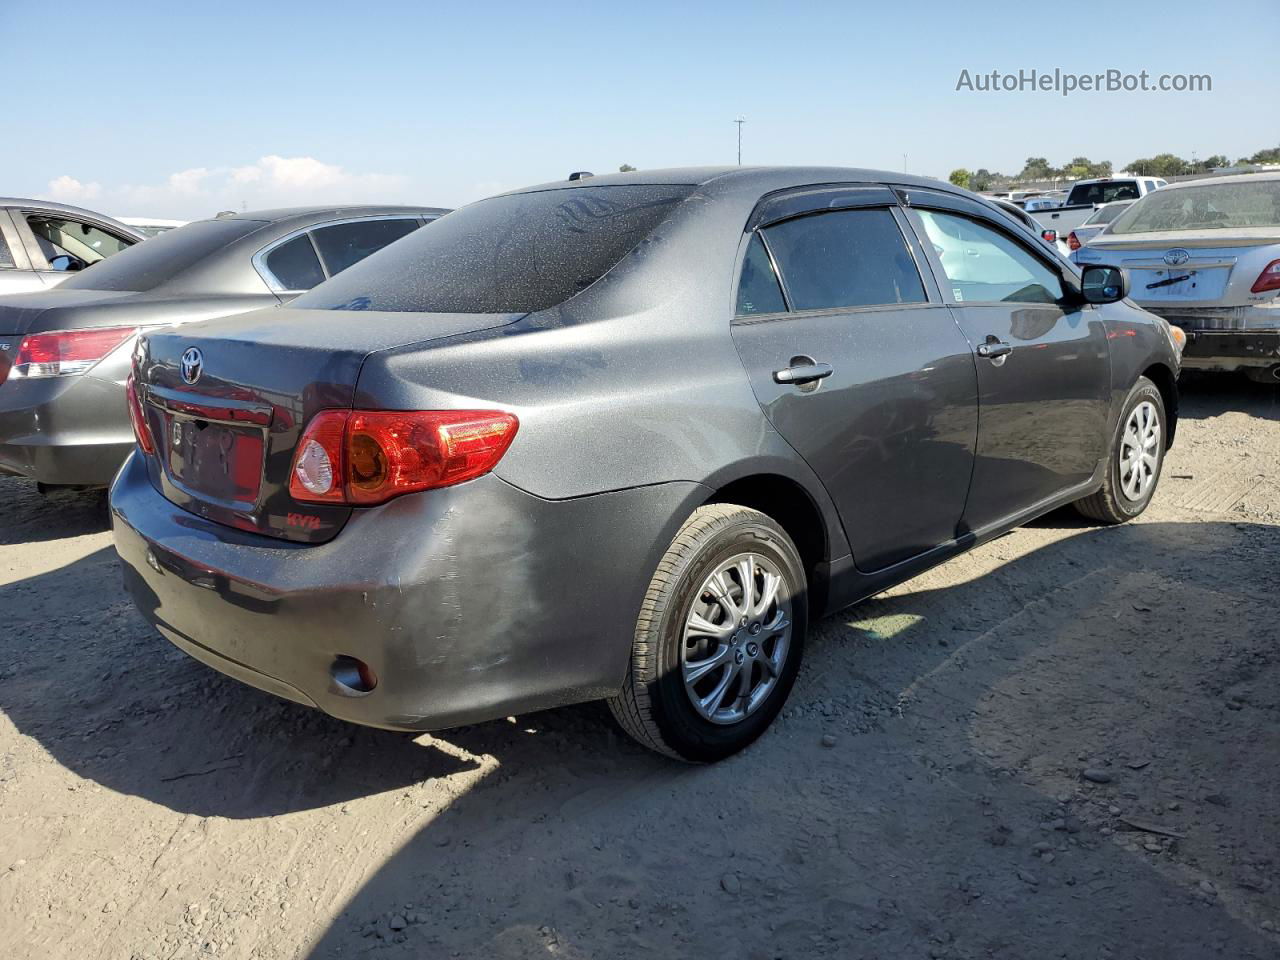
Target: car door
860,366
1043,359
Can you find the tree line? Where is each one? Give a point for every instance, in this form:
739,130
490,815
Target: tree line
1082,168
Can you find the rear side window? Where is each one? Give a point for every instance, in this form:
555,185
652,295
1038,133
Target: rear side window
514,254
847,258
344,244
295,265
6,257
758,290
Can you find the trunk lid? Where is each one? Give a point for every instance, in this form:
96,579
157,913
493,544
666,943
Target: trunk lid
226,431
1178,267
19,312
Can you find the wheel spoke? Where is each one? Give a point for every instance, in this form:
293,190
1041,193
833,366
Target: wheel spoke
720,590
767,594
699,626
695,671
713,700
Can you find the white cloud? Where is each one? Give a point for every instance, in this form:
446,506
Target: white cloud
271,181
67,189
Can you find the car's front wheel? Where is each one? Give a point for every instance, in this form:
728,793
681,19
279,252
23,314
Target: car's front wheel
719,637
1135,458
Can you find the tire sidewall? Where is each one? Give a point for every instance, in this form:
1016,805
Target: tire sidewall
1144,389
689,734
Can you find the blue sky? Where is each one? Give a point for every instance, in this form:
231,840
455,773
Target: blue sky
183,109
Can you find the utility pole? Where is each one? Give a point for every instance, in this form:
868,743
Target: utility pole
740,121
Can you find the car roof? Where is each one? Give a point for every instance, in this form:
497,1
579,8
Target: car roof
759,180
1229,178
308,215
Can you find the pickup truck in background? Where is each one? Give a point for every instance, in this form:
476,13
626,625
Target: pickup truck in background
1087,195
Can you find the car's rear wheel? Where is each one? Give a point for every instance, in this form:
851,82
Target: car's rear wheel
1134,461
719,638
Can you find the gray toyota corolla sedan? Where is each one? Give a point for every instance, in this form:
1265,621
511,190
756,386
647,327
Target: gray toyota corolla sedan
64,353
625,438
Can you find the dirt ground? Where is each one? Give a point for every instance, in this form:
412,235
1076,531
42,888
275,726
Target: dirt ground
1063,745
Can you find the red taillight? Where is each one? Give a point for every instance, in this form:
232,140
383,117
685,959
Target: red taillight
63,353
1049,236
138,417
1268,279
364,457
1073,241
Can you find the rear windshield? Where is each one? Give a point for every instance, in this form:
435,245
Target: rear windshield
1103,192
1108,213
1217,206
146,266
512,254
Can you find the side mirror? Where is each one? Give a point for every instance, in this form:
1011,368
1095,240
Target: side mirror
65,262
1101,284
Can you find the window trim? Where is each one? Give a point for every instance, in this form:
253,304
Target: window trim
259,259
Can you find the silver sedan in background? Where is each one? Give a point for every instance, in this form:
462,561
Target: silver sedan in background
1205,255
43,243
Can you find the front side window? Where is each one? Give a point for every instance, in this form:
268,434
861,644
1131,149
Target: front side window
71,244
518,253
295,265
846,258
758,290
343,244
984,265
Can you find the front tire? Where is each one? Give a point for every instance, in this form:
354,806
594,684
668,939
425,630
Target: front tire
1134,458
719,639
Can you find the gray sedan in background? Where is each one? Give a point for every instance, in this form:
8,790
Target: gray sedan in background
43,243
64,353
624,438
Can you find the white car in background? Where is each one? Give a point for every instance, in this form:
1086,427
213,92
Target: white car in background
1097,222
1032,204
151,226
1205,255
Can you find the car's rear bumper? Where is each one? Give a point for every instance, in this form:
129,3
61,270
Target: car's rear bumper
468,603
64,430
1213,350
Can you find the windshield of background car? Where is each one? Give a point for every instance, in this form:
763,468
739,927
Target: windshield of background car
145,266
1218,206
1103,192
514,254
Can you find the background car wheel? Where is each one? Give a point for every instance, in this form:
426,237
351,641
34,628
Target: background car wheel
1134,461
1269,375
719,638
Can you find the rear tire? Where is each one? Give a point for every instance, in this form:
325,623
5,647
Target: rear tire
1134,458
700,630
1268,375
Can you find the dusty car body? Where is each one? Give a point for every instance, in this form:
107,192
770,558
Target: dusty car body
1205,255
64,353
622,438
44,243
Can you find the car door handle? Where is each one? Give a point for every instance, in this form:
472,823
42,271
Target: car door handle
994,349
802,373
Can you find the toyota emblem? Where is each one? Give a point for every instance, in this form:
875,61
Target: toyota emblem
192,364
1177,257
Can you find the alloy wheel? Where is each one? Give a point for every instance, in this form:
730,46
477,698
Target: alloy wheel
1140,451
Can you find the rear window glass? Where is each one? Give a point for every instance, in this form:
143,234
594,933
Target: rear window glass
1103,192
295,265
1108,213
513,254
146,266
1218,206
344,244
850,258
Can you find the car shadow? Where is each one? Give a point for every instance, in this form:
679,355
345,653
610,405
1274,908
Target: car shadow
555,849
1204,395
30,517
